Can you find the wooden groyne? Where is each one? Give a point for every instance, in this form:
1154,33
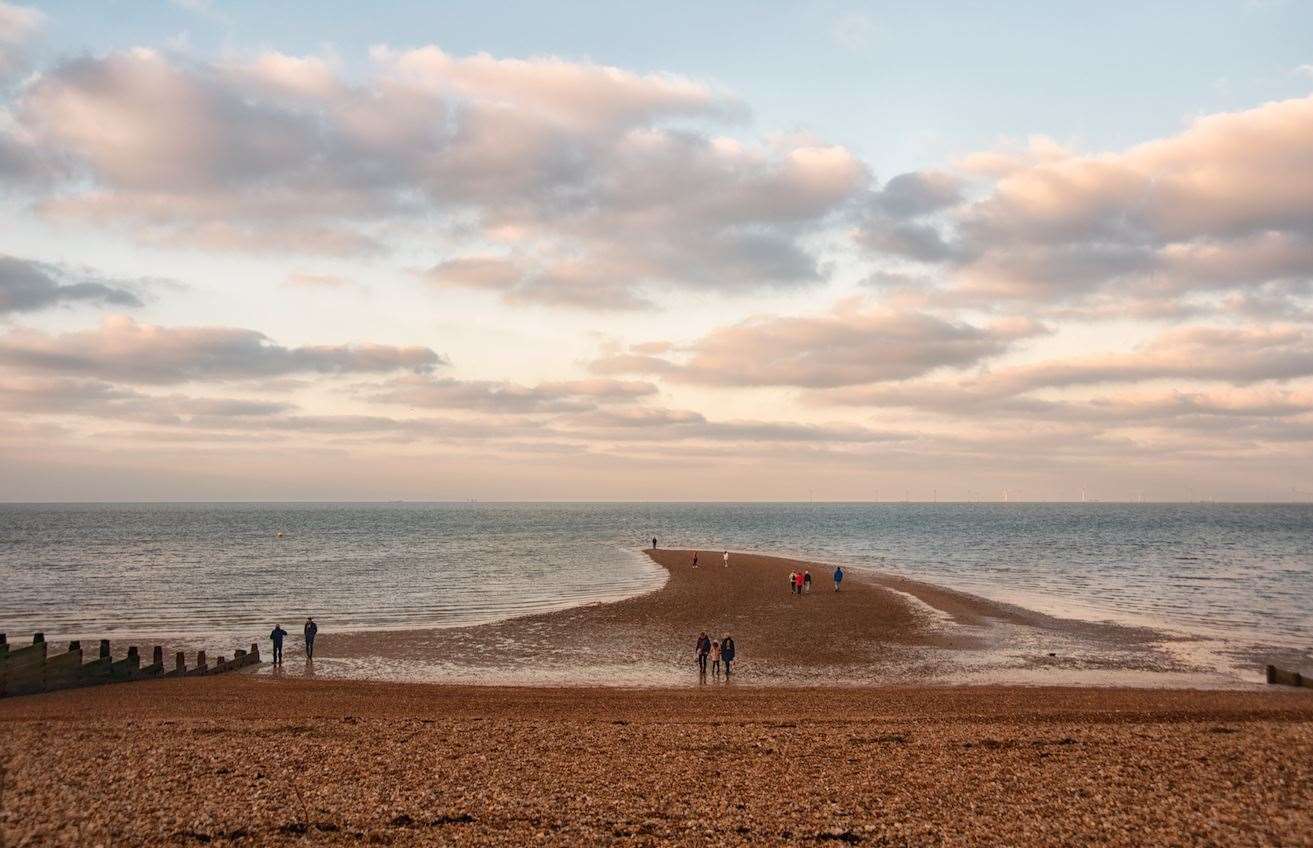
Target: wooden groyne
1279,676
33,668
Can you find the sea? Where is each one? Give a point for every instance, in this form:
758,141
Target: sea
1239,575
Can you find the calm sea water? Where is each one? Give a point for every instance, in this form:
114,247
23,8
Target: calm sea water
1241,573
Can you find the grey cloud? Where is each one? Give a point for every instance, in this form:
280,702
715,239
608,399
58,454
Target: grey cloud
656,425
918,193
125,351
575,166
508,398
1222,206
849,346
29,286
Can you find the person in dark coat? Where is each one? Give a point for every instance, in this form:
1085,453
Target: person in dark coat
310,630
838,577
277,636
702,650
727,654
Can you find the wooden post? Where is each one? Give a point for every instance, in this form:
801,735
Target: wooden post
38,638
4,646
180,662
157,656
255,652
201,665
75,645
104,649
1271,675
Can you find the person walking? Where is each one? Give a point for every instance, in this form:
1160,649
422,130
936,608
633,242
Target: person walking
807,581
727,654
703,648
654,543
725,557
793,582
311,629
695,559
277,636
838,577
715,659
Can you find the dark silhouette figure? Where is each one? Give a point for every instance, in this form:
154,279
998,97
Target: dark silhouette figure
654,543
310,630
838,577
703,649
277,637
727,654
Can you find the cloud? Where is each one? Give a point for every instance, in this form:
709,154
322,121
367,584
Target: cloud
1191,355
1222,206
854,31
29,286
853,344
17,25
509,398
300,279
121,350
592,184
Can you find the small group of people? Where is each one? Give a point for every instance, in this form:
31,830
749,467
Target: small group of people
279,634
801,581
724,559
714,652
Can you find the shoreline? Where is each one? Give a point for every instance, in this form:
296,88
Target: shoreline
881,629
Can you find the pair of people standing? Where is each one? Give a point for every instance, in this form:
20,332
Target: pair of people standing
310,631
715,652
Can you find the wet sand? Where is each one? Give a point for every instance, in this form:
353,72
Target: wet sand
245,760
878,629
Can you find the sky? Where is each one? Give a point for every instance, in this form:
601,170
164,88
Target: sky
619,251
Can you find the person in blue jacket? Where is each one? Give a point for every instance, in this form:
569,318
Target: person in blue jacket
277,637
838,577
727,654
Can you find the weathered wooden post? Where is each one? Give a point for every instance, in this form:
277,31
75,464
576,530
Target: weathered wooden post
64,669
4,646
25,668
201,665
157,656
180,662
104,649
1271,675
255,652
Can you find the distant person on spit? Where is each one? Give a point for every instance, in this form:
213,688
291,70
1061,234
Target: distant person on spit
277,637
654,543
695,560
310,630
725,556
727,654
838,577
807,581
703,648
715,659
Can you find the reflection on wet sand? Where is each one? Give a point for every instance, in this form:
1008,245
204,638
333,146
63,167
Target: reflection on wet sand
879,630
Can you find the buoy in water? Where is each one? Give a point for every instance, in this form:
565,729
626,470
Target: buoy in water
280,534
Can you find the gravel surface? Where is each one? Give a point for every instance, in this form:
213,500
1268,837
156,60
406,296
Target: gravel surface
248,760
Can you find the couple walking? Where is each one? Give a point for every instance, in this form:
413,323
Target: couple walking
279,634
717,652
